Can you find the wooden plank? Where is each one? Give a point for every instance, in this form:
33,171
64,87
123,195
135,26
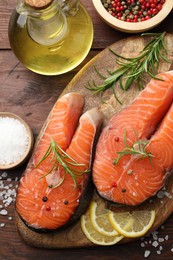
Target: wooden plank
104,35
28,94
100,28
14,248
11,73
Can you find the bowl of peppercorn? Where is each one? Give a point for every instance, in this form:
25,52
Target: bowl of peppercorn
133,16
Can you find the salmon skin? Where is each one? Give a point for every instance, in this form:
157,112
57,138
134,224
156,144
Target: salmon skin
132,178
50,197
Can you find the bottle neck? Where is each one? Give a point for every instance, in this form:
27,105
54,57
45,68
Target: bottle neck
45,26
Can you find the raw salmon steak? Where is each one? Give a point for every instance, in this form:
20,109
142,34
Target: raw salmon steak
53,190
132,178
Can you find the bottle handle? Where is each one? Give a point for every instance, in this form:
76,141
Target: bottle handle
70,7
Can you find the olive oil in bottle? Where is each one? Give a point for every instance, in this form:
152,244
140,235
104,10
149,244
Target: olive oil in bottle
50,41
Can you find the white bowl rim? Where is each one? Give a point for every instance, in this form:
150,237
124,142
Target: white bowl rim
136,26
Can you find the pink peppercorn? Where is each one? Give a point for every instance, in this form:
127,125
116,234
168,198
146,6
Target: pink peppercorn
133,10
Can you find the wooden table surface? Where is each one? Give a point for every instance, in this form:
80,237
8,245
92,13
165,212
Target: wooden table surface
32,96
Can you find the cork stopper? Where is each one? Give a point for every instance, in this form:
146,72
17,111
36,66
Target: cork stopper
38,4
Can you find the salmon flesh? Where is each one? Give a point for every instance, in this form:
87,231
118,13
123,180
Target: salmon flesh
53,194
148,121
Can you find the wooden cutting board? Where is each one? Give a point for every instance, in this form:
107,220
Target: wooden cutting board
130,47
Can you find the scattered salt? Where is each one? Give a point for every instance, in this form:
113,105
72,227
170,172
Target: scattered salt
3,212
166,237
155,243
160,194
147,253
161,239
8,201
4,175
7,196
155,235
13,140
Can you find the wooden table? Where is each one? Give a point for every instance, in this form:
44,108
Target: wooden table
32,96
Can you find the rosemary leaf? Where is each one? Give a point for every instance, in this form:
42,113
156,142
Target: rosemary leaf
137,148
58,157
133,69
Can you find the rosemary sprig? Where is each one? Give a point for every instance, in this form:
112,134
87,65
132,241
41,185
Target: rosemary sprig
60,157
132,69
138,148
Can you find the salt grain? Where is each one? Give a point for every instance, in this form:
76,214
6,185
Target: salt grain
147,253
7,196
4,175
160,194
161,239
166,237
14,140
155,244
3,212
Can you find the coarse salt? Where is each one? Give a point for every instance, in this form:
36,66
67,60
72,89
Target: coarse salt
14,140
155,243
147,253
7,197
3,212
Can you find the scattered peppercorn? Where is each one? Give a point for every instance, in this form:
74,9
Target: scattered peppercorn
48,208
65,202
133,10
123,190
114,184
44,199
116,139
130,171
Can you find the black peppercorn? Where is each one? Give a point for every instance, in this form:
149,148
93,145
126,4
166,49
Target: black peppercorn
44,199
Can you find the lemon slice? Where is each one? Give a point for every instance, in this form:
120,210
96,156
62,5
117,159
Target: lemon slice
132,224
94,236
100,221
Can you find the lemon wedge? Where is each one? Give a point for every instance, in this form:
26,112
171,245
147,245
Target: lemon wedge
96,237
99,220
132,224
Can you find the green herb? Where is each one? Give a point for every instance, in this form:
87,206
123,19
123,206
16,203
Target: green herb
59,157
132,69
138,148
